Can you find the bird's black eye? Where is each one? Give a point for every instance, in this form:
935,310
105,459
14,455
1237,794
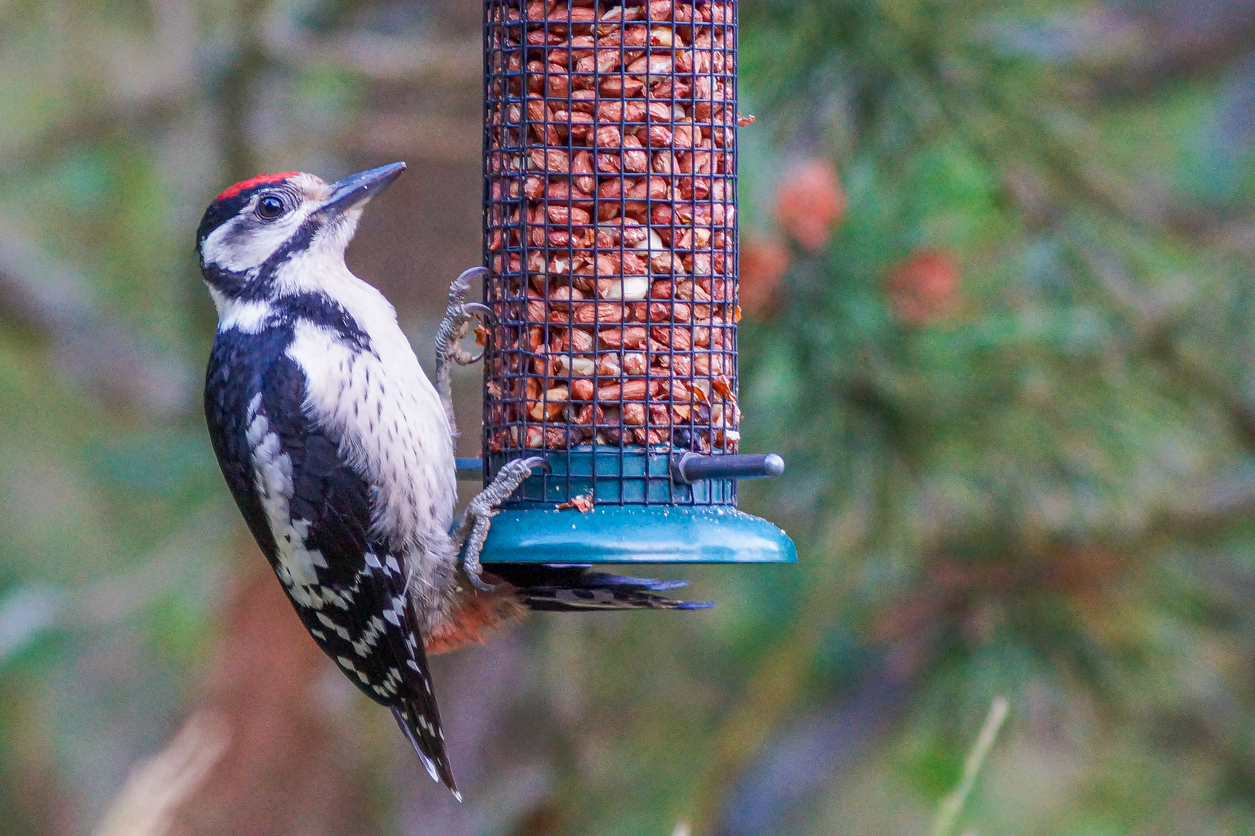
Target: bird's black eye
270,207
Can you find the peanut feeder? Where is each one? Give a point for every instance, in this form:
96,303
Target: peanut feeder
610,230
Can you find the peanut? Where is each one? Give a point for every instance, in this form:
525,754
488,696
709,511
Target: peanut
582,389
630,390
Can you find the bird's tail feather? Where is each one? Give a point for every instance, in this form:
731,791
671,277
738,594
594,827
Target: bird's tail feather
575,588
432,756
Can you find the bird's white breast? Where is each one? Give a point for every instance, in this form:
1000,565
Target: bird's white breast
389,416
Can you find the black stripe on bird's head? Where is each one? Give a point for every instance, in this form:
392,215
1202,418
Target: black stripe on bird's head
252,229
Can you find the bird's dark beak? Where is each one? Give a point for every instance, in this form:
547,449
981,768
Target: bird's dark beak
357,189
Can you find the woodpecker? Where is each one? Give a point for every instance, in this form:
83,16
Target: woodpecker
339,452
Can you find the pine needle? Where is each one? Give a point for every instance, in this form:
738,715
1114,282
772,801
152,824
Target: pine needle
952,805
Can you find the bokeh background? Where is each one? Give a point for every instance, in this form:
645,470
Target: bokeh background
998,284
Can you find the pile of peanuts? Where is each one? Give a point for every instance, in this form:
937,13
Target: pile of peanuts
611,224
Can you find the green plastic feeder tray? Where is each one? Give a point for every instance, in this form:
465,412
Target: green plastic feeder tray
539,526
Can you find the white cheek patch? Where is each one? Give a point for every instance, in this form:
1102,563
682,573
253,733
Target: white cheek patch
245,242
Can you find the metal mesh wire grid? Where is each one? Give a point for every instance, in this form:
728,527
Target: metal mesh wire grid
610,229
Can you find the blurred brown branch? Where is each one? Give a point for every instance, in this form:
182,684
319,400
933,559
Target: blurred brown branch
290,765
40,293
421,59
1168,39
418,136
157,788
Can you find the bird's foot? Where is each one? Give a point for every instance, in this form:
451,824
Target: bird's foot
453,328
483,507
457,320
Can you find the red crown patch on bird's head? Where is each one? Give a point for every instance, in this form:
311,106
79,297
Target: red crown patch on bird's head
259,180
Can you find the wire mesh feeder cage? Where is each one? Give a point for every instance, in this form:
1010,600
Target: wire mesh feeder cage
610,230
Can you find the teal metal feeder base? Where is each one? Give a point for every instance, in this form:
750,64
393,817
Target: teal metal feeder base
539,526
636,534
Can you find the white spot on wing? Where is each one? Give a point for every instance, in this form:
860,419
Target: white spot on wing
336,628
297,565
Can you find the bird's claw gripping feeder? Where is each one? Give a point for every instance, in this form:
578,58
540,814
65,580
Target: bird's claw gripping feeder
610,235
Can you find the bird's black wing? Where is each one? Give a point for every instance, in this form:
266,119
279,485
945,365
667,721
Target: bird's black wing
237,362
355,605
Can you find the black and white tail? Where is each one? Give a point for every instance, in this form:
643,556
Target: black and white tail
428,741
574,588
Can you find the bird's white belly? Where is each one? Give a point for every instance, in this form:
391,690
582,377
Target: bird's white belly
393,427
